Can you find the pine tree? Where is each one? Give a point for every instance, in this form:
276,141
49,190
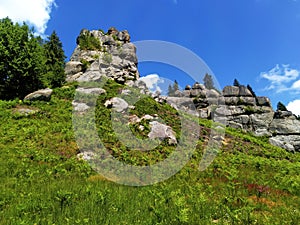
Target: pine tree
236,83
281,107
208,81
170,90
175,86
251,90
55,61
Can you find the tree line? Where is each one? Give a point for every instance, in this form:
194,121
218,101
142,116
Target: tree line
27,62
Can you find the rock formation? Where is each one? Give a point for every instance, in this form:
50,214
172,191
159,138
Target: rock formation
98,54
111,55
242,110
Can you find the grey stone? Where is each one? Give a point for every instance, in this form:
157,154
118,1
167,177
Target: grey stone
72,68
118,104
90,76
285,126
80,107
162,131
231,100
244,91
263,101
96,91
247,101
231,91
40,95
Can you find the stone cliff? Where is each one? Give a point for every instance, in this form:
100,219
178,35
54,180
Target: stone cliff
111,55
103,54
241,109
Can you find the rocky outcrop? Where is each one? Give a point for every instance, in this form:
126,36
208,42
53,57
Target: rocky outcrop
40,95
242,110
98,54
111,55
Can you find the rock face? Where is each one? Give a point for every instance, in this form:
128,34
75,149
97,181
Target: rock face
98,54
240,109
40,95
111,55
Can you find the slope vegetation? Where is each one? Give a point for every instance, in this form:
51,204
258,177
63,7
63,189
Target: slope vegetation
43,181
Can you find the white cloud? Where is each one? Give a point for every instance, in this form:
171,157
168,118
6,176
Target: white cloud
294,106
34,12
296,86
152,81
280,78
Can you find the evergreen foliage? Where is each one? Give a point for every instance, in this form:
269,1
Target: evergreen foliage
55,61
281,107
26,62
236,83
22,60
88,42
173,89
251,90
208,81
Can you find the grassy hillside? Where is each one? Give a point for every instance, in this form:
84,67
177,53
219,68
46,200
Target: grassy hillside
42,181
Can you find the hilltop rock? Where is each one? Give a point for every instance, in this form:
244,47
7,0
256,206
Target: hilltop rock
113,57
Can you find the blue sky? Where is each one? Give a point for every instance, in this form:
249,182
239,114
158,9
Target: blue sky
255,41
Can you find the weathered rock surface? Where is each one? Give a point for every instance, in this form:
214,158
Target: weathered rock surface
162,131
237,106
80,107
241,110
40,95
114,57
118,104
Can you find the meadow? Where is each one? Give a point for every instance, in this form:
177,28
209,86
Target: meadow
43,181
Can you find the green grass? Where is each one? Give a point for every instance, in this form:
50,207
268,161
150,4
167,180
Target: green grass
42,181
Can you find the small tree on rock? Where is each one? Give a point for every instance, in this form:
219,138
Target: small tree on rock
281,107
208,81
251,90
236,83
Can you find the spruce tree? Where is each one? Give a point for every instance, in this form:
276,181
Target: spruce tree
208,81
251,90
55,61
281,107
236,83
170,90
175,86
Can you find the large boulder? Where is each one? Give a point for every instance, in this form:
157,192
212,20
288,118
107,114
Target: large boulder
118,104
40,95
72,68
244,91
288,142
162,131
263,101
231,91
285,126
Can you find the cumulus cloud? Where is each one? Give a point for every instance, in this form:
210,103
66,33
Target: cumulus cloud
294,106
152,81
34,12
280,78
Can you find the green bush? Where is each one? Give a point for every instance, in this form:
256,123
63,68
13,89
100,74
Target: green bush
88,42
